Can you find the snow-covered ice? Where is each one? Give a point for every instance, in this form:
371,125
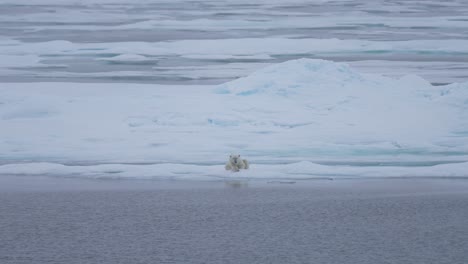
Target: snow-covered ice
298,119
155,41
238,57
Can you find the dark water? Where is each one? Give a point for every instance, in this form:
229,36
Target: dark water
386,221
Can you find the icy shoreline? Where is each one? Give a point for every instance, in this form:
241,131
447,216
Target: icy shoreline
295,171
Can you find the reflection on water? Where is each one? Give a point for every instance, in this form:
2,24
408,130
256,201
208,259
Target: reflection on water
236,184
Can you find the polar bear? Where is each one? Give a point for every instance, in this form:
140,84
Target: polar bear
235,163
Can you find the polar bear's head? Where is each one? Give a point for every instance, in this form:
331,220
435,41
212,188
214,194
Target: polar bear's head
234,159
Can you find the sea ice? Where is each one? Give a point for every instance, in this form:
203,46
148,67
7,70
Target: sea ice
298,119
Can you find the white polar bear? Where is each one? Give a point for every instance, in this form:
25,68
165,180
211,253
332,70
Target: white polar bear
235,163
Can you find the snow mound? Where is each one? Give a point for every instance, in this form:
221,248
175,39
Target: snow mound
306,76
294,77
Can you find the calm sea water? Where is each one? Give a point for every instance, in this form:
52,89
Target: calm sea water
101,29
386,221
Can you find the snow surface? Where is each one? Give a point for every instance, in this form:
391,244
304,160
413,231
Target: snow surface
298,119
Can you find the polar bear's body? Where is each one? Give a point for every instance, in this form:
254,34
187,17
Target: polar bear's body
235,163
